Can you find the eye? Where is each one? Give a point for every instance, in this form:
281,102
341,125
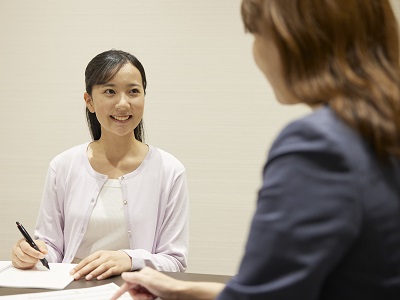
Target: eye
135,91
109,91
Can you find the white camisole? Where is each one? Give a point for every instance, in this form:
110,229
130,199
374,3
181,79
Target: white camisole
107,228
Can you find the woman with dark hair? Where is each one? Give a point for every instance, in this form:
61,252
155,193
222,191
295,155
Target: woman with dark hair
327,223
113,204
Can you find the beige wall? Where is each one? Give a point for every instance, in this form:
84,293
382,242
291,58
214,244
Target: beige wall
206,103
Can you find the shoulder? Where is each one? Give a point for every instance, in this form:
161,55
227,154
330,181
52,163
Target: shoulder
168,161
70,156
323,135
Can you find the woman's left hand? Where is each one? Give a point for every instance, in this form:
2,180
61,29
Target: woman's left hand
102,264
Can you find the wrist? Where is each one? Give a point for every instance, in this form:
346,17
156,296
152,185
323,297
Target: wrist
181,290
186,290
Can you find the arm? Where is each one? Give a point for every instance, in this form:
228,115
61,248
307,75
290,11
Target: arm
172,240
306,219
49,225
149,283
48,234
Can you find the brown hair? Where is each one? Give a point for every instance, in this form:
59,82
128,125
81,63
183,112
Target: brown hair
341,52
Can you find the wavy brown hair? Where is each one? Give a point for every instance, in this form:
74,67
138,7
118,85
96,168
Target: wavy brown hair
344,53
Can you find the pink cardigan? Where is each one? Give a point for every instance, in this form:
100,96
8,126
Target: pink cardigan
156,209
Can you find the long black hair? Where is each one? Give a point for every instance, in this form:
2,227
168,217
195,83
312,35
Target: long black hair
101,69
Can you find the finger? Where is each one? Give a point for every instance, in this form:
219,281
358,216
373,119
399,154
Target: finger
94,269
21,260
15,259
140,292
124,288
103,272
27,255
28,250
100,271
84,266
42,246
24,259
137,296
140,282
85,270
129,276
79,266
109,263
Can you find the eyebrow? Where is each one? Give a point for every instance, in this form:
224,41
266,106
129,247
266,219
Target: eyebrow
113,85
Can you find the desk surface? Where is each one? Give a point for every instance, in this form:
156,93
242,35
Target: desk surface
117,280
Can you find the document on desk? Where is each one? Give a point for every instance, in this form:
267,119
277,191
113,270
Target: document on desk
56,278
101,292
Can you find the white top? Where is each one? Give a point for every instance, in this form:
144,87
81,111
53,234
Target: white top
107,226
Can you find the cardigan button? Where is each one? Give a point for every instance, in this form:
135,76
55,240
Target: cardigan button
125,202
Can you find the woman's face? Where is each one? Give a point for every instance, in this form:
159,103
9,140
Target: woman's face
268,60
119,103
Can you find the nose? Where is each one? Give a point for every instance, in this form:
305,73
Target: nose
122,102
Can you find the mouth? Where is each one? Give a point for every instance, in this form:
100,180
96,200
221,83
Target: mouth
121,118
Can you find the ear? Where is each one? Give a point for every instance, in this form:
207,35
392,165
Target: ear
89,102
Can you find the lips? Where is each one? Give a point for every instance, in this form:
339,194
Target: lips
121,118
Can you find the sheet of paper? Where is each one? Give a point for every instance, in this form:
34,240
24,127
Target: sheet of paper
4,264
100,292
39,277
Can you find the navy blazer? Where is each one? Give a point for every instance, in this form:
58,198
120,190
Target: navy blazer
327,223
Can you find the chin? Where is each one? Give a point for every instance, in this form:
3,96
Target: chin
286,99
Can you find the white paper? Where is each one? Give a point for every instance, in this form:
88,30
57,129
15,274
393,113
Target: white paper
39,277
101,292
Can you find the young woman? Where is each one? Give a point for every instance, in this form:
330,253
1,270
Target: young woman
327,224
113,204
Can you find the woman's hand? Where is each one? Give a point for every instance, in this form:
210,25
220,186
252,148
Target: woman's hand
24,256
149,284
102,264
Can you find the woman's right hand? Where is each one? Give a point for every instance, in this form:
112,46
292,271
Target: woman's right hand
24,256
148,284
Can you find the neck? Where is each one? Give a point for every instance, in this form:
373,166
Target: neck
116,147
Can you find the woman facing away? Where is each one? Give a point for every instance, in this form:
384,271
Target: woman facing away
327,223
114,204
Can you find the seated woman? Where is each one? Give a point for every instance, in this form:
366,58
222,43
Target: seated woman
114,204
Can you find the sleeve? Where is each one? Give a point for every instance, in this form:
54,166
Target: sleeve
50,220
172,243
306,219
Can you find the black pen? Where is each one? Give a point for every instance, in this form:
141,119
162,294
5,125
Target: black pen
28,238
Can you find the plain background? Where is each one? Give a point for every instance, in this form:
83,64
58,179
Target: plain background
206,103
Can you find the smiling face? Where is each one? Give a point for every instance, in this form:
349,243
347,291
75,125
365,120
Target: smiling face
119,103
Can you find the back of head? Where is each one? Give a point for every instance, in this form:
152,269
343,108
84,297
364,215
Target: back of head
344,53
